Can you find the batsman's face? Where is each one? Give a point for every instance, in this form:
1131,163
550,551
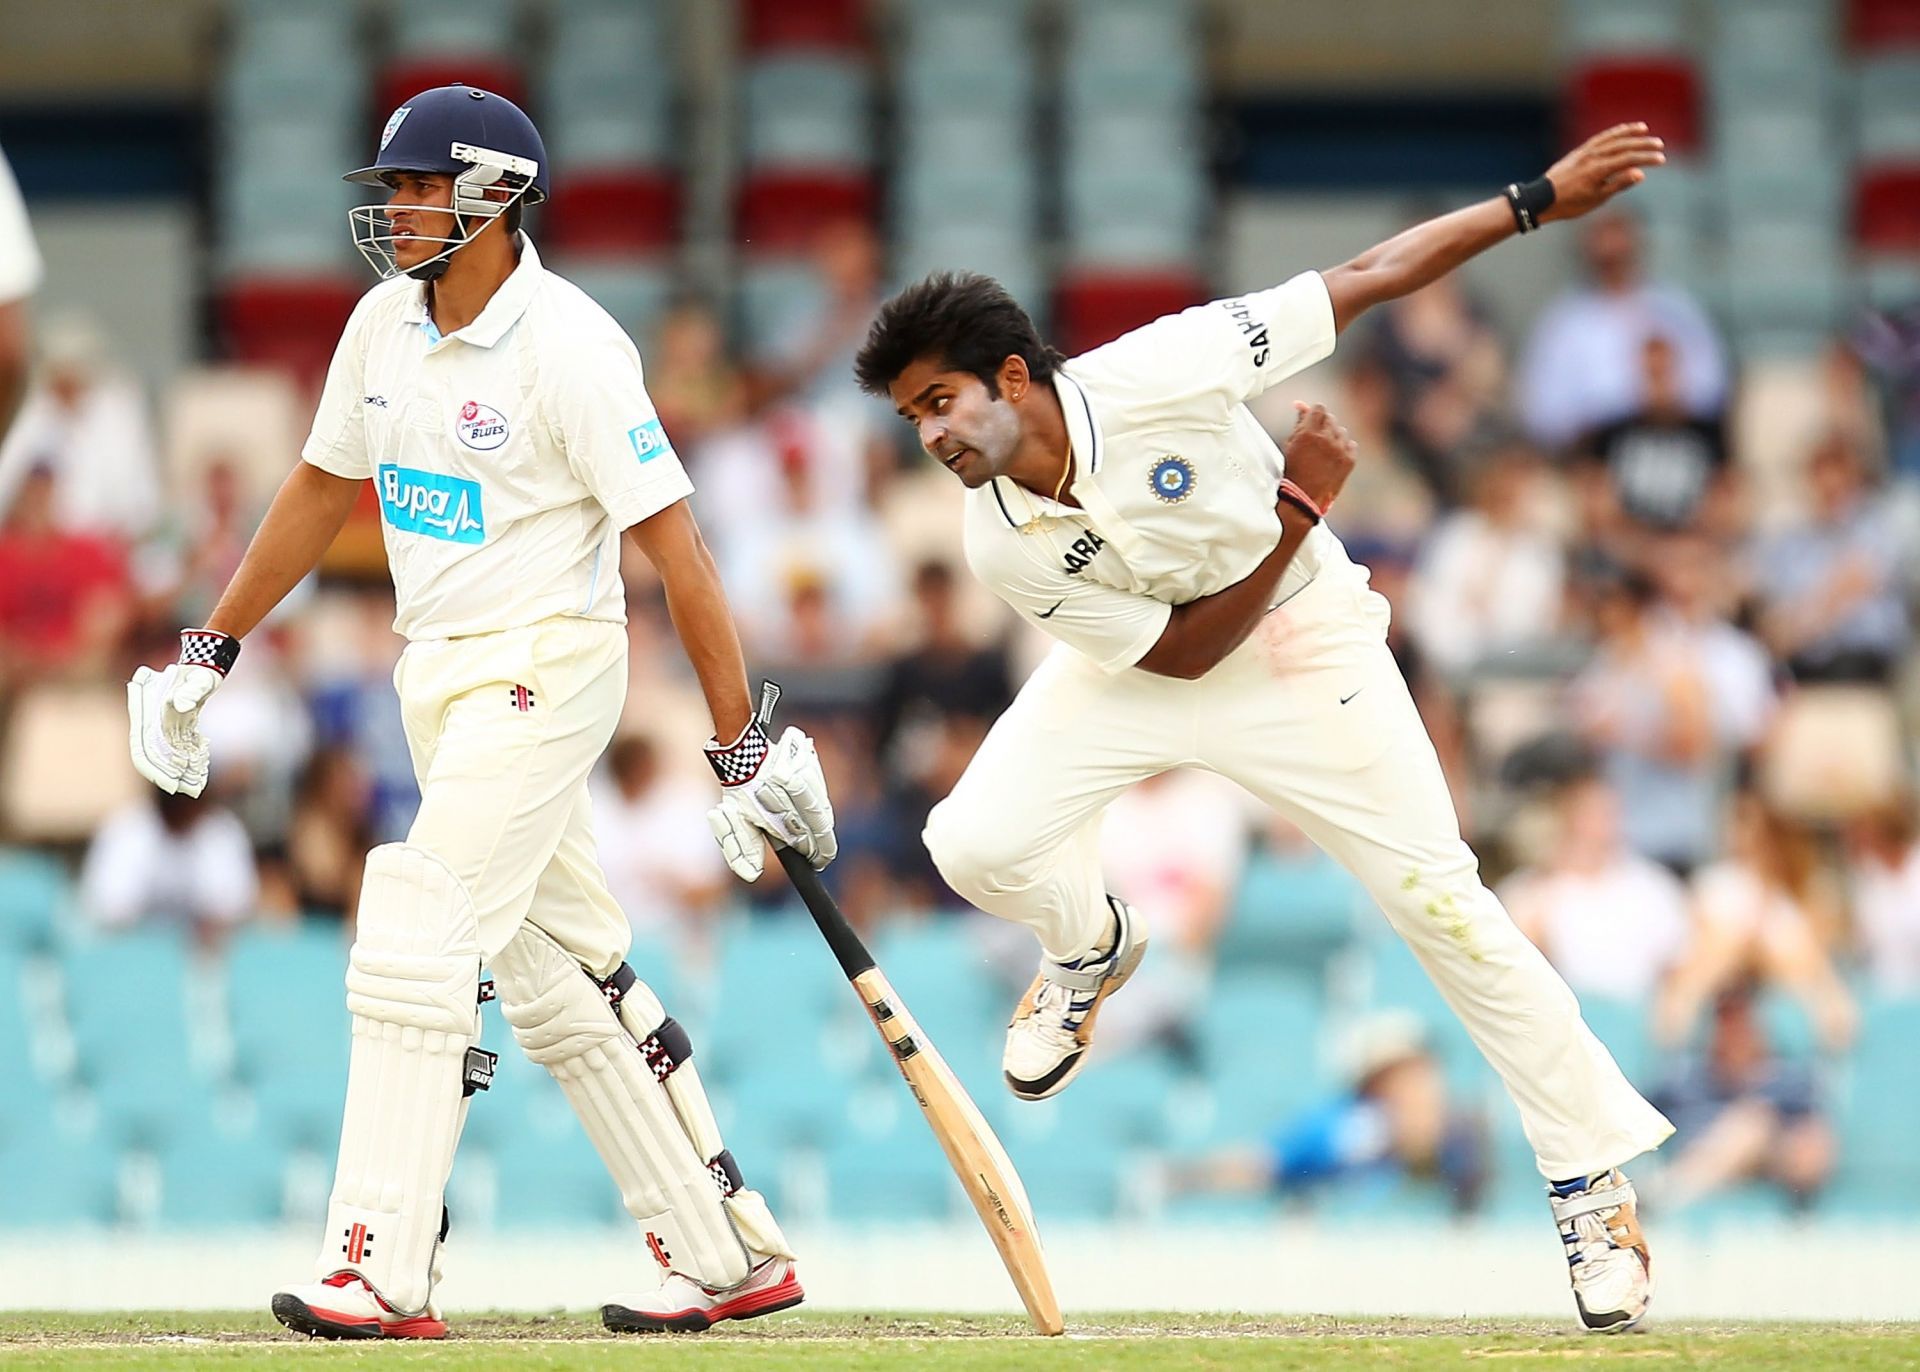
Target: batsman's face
966,428
420,210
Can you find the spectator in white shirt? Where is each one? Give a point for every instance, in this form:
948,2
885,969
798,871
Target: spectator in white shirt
1490,578
1584,366
172,859
88,423
1884,872
1175,845
1612,922
655,846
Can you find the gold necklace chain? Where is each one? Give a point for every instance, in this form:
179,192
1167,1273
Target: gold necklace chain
1038,523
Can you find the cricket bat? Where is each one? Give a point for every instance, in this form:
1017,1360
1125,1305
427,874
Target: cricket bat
985,1172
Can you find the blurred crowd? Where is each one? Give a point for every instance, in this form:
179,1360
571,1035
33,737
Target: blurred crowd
1672,689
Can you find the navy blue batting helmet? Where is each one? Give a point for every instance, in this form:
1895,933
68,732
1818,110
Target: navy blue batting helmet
483,141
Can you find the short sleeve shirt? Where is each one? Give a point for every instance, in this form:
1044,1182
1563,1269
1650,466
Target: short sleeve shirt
19,259
507,456
1175,477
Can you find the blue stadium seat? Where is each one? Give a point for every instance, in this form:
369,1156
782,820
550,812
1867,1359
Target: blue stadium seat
286,998
777,986
34,890
1293,911
452,28
1073,1168
1638,27
1886,99
636,294
892,1171
1141,215
1623,1026
1260,1038
211,1178
776,299
548,1176
58,1179
808,111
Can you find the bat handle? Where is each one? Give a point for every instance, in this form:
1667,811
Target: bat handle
846,945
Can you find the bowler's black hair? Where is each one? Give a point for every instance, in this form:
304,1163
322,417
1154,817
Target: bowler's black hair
966,320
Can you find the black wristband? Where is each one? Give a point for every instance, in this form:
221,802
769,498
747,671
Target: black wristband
208,648
1529,201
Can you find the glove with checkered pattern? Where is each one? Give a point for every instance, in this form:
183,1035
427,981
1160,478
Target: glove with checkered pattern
163,712
770,790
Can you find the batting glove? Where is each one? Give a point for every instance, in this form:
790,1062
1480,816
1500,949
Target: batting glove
163,712
770,790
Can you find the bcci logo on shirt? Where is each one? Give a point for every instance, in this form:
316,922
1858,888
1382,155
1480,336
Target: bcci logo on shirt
481,427
1171,480
443,507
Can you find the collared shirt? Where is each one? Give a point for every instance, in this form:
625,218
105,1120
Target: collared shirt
507,455
1175,478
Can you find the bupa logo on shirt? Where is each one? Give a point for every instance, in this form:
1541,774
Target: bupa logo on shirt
481,427
443,507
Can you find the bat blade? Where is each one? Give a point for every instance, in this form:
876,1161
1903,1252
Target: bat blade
973,1151
986,1173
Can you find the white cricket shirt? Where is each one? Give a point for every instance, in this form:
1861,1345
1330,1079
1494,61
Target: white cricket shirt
507,456
19,259
1175,477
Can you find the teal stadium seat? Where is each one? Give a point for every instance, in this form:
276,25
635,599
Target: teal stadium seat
57,1179
1400,982
1623,1026
892,1171
34,890
1877,1115
286,997
547,1175
215,1178
1260,1040
1291,910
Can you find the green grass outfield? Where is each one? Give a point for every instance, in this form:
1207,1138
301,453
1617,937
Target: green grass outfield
811,1340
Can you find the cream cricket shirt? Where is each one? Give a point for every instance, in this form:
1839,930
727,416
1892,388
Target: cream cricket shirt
507,456
1175,477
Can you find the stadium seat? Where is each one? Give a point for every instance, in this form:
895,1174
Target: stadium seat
1886,209
777,987
286,999
808,111
452,28
1292,911
1136,218
58,1180
404,78
34,890
1874,25
889,1169
1886,108
636,294
1399,982
1662,91
547,1176
612,213
289,323
1094,307
831,25
786,211
1623,1026
1260,1043
1618,28
214,1178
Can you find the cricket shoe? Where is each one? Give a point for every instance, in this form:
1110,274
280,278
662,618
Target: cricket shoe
343,1306
1607,1254
683,1304
1053,1024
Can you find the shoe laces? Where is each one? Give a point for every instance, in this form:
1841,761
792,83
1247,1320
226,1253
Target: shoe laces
1058,1010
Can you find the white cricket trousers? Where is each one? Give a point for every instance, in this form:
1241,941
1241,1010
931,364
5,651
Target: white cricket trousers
504,729
1312,716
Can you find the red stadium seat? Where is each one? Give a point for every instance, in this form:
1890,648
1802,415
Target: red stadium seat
787,210
288,323
1886,209
1663,91
1096,307
401,81
612,212
839,25
1876,25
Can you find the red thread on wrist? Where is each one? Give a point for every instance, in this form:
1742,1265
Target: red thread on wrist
1291,492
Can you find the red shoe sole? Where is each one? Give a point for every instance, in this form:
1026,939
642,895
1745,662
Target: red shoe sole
317,1322
783,1296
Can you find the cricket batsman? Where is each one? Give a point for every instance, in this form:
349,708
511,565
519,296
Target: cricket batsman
1127,503
502,417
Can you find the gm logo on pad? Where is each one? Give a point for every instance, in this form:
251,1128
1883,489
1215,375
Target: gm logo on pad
428,503
649,440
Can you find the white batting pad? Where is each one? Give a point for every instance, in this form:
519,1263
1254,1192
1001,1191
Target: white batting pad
674,1177
413,983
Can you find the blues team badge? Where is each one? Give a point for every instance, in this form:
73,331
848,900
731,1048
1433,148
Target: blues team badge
1171,480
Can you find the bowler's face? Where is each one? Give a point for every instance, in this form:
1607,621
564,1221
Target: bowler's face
965,427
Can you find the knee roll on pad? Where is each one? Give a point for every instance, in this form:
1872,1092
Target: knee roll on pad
413,981
627,1073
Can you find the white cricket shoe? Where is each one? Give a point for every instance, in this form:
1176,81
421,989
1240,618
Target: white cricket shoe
343,1306
684,1304
1053,1024
1607,1255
